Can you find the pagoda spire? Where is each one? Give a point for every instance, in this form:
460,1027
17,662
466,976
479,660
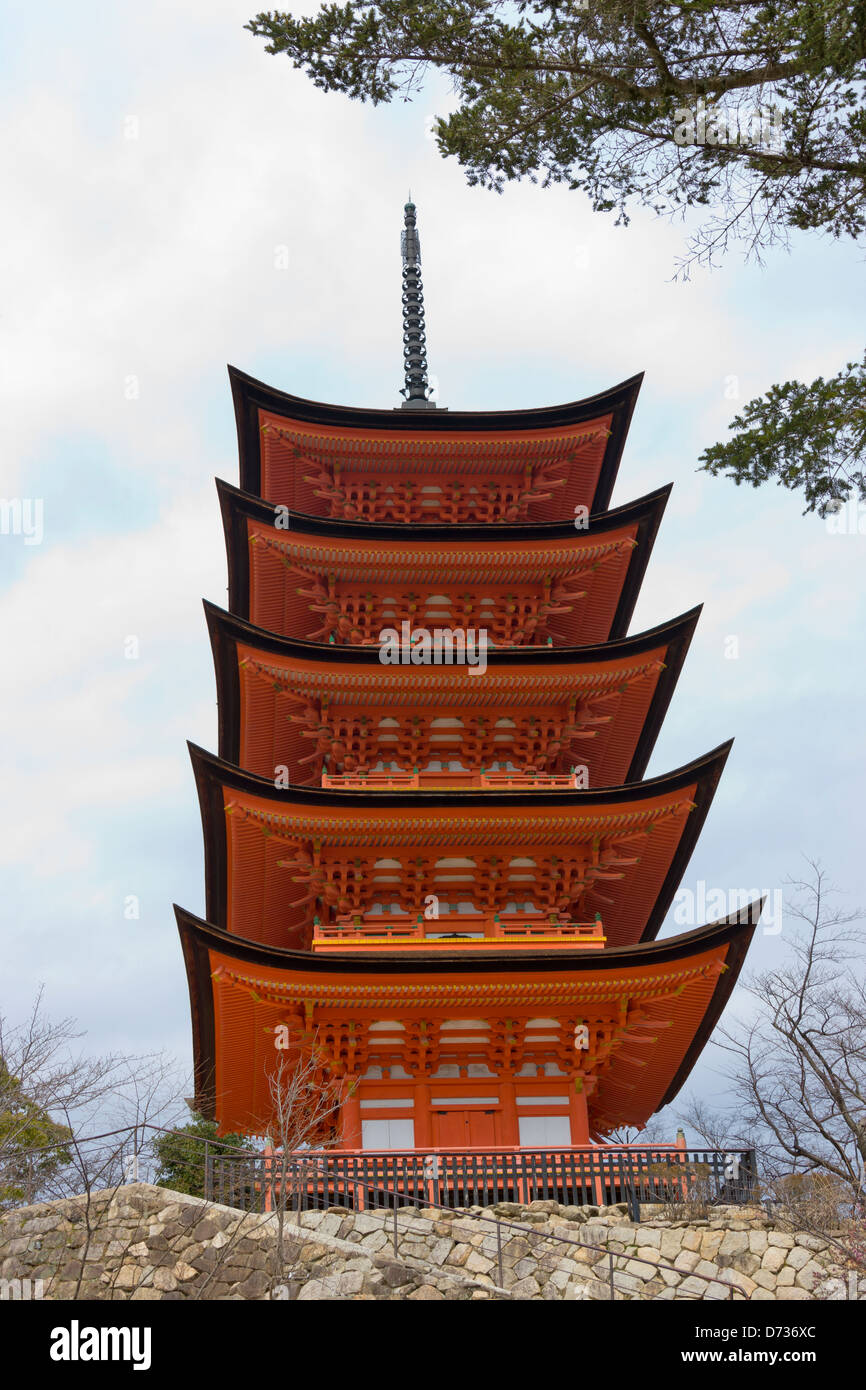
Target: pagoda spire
417,387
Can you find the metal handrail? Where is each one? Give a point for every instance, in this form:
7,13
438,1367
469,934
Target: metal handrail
255,1158
530,1230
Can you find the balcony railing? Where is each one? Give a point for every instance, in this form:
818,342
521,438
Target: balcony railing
476,931
413,781
581,1176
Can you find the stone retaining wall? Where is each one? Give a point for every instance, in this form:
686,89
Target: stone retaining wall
145,1242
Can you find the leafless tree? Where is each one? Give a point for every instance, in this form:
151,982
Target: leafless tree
305,1104
653,1134
52,1091
796,1069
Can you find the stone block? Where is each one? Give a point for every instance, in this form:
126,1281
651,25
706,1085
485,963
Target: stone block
626,1283
711,1242
395,1275
813,1243
330,1224
427,1294
781,1239
691,1288
757,1242
524,1288
205,1230
624,1235
366,1222
588,1256
773,1258
33,1225
742,1282
798,1257
645,1235
376,1240
670,1245
809,1274
575,1215
477,1264
313,1290
458,1255
349,1283
734,1243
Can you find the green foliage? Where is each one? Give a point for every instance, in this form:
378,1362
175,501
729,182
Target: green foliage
588,93
180,1154
811,437
24,1126
748,108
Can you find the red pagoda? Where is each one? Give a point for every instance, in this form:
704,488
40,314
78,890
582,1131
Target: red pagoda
431,856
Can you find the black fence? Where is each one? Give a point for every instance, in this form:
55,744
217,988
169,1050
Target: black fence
572,1177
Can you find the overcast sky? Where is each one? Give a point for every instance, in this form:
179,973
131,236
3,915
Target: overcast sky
158,170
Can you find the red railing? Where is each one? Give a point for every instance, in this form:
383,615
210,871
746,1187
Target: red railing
574,1176
413,781
460,931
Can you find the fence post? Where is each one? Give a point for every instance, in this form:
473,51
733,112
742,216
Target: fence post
751,1183
612,1289
632,1202
208,1181
394,1199
499,1253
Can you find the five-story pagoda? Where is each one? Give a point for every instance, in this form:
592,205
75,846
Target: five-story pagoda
431,859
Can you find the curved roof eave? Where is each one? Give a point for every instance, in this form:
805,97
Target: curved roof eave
645,513
251,395
237,499
213,773
733,932
737,926
226,630
209,765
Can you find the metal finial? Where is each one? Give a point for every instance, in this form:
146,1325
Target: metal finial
417,388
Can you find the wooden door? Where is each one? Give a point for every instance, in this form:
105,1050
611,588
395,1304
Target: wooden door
481,1128
464,1129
